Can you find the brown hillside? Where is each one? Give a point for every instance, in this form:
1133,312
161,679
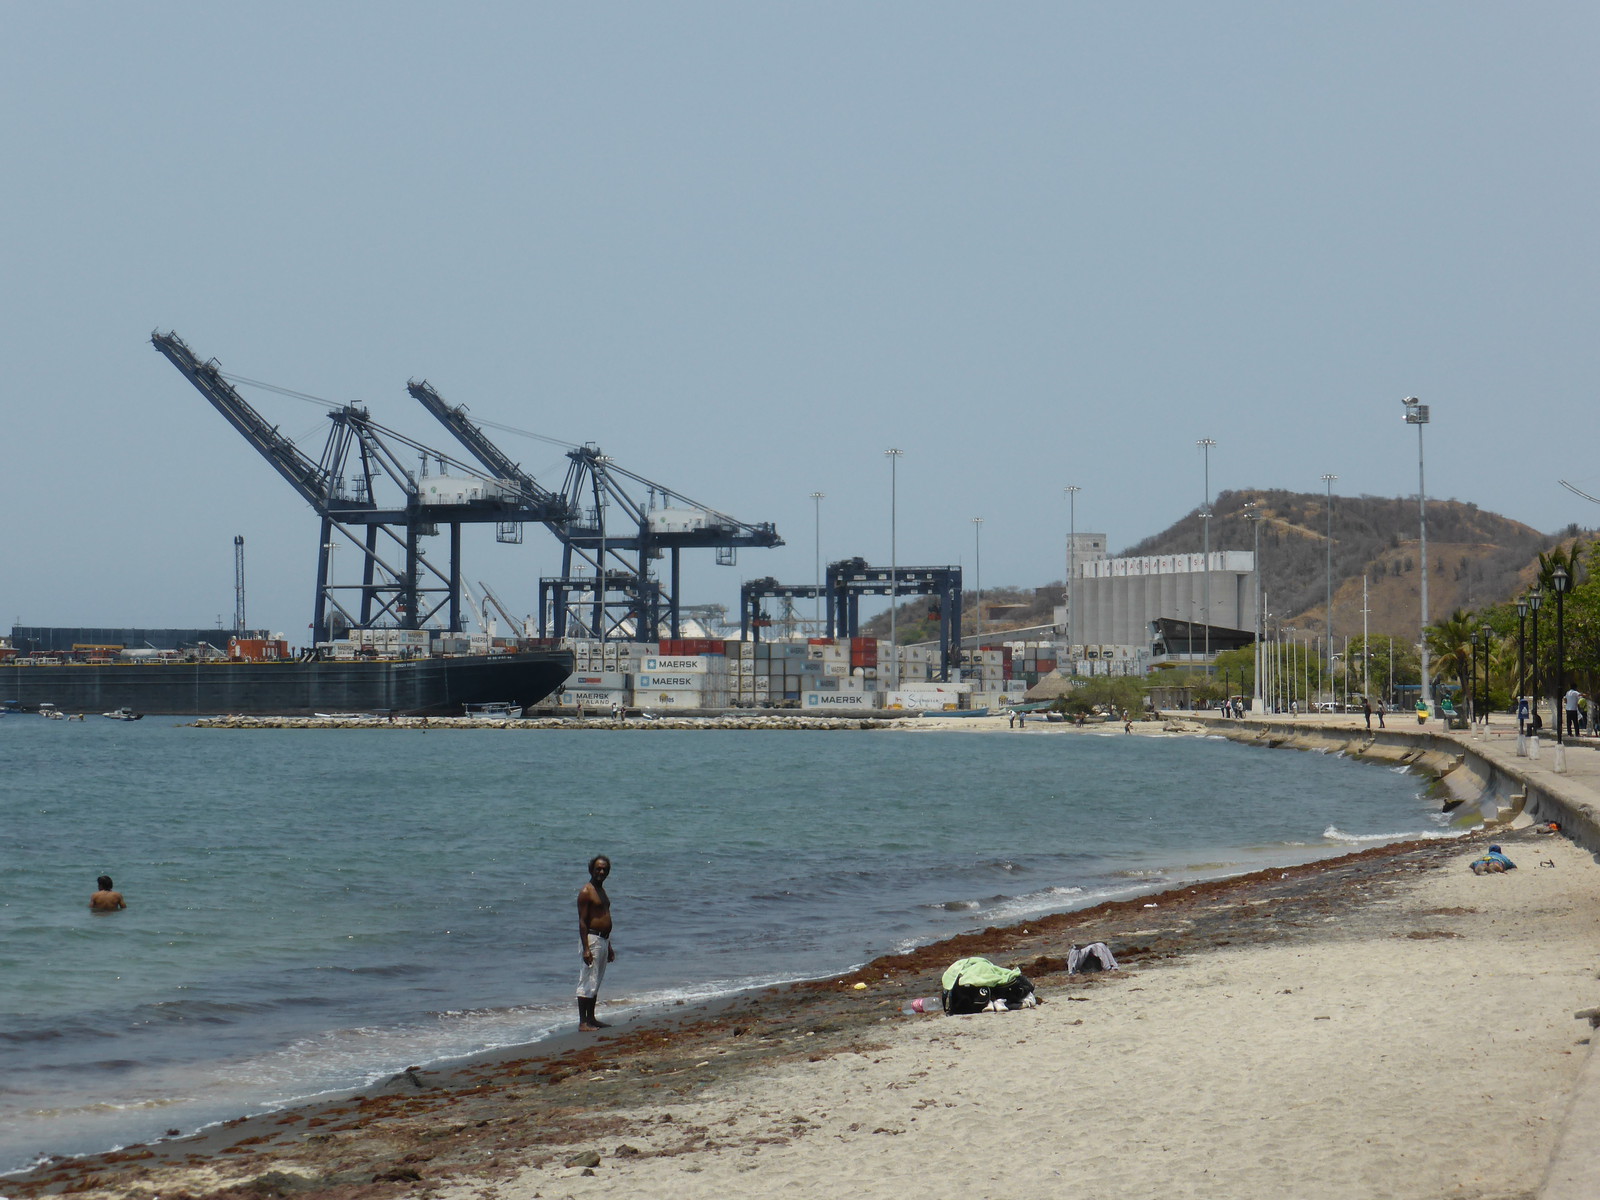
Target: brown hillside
1475,557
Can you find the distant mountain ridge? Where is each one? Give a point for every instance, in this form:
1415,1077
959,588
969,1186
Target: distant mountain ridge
1475,557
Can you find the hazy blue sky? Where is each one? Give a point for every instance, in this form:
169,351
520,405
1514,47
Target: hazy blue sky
747,247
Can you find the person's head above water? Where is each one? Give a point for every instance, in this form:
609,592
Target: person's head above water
594,864
103,883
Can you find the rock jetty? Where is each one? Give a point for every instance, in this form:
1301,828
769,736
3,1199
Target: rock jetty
364,722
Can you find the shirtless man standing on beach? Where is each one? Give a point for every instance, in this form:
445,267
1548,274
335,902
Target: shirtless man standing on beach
594,934
105,900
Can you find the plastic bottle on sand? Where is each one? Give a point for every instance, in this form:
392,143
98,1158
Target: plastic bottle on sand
922,1004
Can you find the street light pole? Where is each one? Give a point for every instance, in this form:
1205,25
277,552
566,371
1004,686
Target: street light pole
1067,597
1253,515
1328,480
1535,603
894,565
1488,640
1205,445
816,504
1417,414
977,556
1522,616
1563,582
1472,695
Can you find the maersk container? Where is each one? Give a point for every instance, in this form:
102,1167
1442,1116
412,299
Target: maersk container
694,663
674,681
575,697
845,702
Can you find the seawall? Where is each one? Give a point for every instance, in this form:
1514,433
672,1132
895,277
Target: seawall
1478,770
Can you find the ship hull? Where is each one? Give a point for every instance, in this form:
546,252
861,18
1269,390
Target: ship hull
418,687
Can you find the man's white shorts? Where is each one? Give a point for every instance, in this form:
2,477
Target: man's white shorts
593,972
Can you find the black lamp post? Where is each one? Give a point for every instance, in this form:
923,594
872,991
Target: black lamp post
1522,613
1488,640
1535,602
1472,680
1562,582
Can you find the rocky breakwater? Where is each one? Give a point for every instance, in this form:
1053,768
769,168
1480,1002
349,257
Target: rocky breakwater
364,722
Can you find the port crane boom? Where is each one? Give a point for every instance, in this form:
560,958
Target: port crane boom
398,584
606,575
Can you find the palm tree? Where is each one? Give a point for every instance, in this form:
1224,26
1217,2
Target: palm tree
1450,643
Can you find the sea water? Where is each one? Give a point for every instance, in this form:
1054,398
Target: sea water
313,910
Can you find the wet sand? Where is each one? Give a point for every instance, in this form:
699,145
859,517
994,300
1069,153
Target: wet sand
1385,1023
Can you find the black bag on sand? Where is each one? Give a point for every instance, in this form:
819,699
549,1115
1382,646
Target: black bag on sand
965,998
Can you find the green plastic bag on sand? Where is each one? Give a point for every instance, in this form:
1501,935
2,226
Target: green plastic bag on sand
978,972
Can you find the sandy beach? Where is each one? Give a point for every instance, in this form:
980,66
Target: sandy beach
1386,1024
1415,1043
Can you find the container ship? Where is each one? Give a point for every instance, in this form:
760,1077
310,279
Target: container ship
283,686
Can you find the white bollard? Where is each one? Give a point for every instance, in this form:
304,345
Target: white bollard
1559,763
1522,744
1533,747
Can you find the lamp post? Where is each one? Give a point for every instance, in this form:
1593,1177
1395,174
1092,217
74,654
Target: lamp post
894,646
977,557
1417,414
1205,445
1472,692
1328,482
816,504
1563,583
1071,491
1522,615
1488,640
1253,515
1535,603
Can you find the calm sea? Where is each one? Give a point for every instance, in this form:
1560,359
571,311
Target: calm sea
318,909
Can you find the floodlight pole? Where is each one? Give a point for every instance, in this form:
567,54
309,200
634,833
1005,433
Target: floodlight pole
816,503
977,564
1205,445
1328,481
1417,414
1068,588
894,645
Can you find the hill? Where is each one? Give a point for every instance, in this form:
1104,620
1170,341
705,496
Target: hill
1475,557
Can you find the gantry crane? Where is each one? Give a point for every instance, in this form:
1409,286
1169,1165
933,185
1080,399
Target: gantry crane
620,587
406,592
850,579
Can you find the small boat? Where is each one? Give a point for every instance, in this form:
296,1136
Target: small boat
954,712
499,710
51,712
124,714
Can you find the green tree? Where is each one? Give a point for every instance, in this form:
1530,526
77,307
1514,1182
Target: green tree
1450,643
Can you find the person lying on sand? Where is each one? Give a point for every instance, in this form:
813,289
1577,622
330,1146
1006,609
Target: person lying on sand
1493,863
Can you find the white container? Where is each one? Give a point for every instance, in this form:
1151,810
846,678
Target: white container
840,702
930,699
573,697
699,663
609,681
694,699
669,681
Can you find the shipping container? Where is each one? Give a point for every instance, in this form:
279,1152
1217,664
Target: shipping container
601,698
691,663
842,702
675,681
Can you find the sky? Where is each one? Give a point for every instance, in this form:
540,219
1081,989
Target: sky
747,248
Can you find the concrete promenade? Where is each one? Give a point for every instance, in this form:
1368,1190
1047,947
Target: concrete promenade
1486,769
